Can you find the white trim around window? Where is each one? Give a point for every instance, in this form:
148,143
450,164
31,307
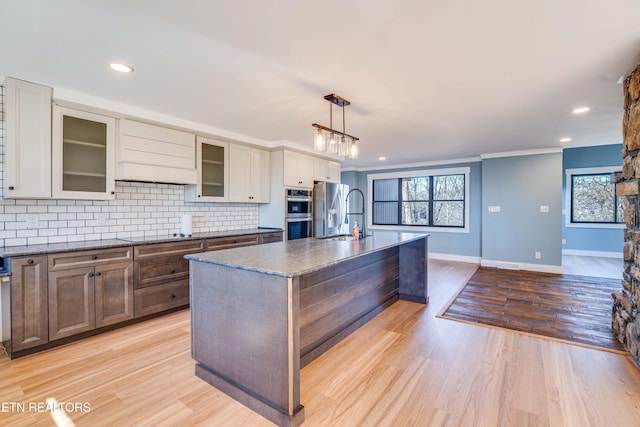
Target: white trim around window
466,171
567,196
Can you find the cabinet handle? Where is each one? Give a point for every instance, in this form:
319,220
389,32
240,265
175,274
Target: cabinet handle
173,272
94,256
11,187
235,241
91,274
29,261
113,192
173,296
199,195
98,274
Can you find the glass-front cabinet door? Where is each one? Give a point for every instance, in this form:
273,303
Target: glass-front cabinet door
213,176
83,155
212,159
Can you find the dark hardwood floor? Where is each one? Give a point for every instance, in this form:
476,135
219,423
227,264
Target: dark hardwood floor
566,307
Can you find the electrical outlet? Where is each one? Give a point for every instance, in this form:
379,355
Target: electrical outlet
538,255
544,208
494,209
32,221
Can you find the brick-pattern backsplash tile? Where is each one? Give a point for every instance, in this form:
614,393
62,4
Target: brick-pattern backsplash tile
139,210
25,222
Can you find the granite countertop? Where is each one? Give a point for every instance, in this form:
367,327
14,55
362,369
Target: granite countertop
13,251
296,257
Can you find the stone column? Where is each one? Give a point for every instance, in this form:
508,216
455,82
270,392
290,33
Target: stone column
625,318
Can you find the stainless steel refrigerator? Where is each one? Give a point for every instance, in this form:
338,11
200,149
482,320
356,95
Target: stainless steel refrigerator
329,209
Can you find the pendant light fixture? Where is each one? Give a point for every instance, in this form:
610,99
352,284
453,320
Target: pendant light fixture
332,141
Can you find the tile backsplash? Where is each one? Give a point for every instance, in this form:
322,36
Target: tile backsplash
139,210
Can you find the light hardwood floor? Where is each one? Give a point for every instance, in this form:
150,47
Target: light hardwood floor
593,266
405,367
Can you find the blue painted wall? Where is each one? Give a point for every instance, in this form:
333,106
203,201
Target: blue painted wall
590,239
520,185
463,244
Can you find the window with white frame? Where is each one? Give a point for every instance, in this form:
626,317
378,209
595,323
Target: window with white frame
591,198
431,199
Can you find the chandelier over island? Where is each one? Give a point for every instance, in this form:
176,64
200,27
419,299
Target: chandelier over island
329,140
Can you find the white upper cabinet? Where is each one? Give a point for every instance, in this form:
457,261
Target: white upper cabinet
333,171
157,154
298,170
249,174
28,145
326,170
212,160
83,155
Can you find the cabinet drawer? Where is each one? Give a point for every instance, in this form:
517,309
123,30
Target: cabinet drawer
232,242
271,237
182,247
162,297
68,260
151,272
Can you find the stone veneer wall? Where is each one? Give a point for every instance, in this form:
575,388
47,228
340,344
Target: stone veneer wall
139,209
625,317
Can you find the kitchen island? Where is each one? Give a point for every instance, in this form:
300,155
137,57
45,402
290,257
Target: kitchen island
260,314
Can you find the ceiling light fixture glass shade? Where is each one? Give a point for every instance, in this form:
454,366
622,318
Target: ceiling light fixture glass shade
340,142
354,149
332,147
320,143
343,147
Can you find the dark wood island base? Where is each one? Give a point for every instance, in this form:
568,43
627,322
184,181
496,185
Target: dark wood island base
253,329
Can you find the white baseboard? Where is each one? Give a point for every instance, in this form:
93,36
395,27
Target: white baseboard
555,269
452,257
541,268
592,253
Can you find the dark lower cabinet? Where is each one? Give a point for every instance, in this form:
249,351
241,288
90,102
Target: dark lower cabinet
114,293
71,302
29,306
155,299
89,290
65,294
275,236
162,276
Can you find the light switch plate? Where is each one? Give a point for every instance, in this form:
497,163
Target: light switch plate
494,209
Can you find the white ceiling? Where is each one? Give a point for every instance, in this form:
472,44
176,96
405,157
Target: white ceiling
428,80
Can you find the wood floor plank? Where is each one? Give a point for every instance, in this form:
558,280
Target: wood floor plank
566,307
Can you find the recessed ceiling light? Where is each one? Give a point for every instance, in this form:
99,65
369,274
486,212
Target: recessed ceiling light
565,139
580,110
381,158
119,66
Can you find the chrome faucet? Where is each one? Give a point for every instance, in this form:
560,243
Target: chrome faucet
364,203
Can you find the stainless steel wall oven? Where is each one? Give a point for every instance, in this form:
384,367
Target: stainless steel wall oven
299,213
